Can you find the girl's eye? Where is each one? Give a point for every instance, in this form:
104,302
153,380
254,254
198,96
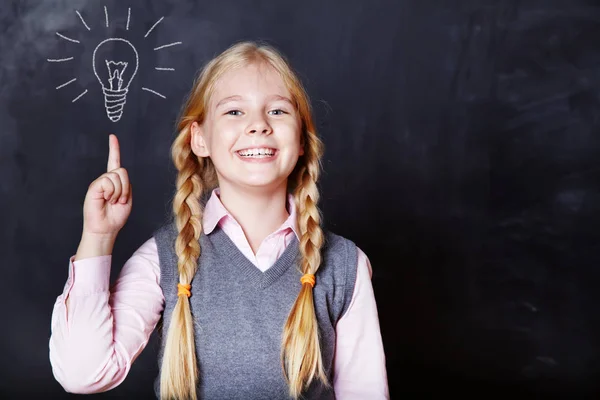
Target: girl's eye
277,112
234,112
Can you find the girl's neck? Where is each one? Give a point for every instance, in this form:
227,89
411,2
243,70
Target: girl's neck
259,212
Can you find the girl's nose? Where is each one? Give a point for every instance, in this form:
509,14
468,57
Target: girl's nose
260,125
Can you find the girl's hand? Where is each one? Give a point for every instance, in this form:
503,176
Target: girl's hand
108,200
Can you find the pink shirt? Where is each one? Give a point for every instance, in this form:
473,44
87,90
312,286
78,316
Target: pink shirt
98,336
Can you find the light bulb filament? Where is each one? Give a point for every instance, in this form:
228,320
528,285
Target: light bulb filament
115,73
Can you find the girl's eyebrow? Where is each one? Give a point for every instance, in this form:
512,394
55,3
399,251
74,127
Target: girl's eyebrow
283,98
238,97
229,98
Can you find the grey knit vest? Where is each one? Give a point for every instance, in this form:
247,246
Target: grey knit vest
240,312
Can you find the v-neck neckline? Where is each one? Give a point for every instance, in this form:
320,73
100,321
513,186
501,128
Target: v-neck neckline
230,252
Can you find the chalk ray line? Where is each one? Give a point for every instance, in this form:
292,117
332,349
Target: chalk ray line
152,91
80,96
82,20
60,59
65,84
68,38
166,45
156,23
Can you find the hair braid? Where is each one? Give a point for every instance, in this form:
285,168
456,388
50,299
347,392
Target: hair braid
179,374
301,351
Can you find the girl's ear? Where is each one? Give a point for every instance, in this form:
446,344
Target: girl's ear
197,142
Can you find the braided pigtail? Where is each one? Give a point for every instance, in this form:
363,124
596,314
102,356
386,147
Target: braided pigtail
301,352
179,373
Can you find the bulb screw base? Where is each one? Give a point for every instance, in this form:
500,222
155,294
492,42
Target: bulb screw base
114,101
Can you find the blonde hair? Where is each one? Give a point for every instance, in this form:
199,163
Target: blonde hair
301,359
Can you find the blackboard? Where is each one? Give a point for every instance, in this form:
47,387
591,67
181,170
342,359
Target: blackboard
462,155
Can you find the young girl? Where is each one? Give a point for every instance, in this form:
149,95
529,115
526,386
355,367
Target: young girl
258,301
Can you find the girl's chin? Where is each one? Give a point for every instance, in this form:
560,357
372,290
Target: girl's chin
262,180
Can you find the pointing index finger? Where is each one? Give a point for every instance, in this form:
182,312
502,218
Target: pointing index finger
114,155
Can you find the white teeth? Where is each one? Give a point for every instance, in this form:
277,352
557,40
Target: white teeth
256,152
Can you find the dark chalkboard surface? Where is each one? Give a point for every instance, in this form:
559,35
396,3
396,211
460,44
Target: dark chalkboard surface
462,155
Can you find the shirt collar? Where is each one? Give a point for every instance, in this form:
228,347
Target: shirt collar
215,212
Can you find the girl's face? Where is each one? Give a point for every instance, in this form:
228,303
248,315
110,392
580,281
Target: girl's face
250,110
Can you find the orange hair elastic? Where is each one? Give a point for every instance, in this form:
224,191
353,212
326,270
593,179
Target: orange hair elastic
184,289
308,278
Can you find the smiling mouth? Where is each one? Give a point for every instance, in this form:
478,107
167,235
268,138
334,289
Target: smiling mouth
257,153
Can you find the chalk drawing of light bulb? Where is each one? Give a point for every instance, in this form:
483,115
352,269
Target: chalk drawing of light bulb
115,62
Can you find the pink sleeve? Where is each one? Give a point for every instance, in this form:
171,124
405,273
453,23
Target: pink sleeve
359,364
98,333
